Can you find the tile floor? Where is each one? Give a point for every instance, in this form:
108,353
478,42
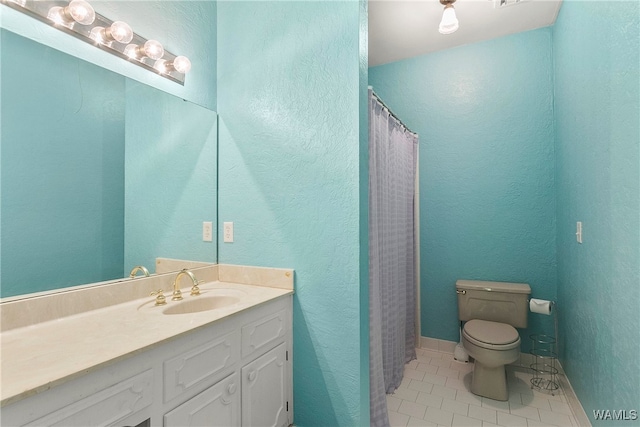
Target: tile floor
435,392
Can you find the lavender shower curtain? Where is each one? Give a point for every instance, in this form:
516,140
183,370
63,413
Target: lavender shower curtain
392,286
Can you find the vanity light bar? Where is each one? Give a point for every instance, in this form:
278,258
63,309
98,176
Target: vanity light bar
78,18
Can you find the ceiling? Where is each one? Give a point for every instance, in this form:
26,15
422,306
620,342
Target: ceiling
400,29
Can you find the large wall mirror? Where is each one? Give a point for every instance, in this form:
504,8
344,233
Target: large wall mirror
98,173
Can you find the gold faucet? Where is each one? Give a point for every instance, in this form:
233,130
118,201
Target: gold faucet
177,294
137,268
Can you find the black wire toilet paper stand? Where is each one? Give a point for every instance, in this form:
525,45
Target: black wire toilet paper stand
544,349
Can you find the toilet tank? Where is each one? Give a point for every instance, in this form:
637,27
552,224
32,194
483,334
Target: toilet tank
495,301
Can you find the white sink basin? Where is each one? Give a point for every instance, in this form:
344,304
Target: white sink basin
212,299
200,303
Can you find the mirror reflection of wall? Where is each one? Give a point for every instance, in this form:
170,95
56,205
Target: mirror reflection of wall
171,173
78,204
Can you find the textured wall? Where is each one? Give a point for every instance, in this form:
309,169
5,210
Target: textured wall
288,79
62,169
597,79
485,119
183,27
171,178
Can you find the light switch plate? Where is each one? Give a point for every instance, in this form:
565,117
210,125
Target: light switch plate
207,231
228,232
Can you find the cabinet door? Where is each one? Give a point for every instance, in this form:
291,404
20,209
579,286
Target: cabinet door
264,390
217,406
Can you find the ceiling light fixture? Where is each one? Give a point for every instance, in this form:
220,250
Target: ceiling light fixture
449,23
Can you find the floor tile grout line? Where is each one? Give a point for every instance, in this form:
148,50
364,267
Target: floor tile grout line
455,390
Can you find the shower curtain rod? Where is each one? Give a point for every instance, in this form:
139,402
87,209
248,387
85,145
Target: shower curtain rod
391,112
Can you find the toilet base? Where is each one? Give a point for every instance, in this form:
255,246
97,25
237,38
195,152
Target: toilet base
489,382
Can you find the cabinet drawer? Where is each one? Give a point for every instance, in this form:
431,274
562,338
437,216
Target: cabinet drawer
263,334
217,406
105,407
201,366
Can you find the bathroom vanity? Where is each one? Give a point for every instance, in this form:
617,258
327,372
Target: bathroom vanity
134,363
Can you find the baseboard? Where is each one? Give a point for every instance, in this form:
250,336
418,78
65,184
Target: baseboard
572,399
434,344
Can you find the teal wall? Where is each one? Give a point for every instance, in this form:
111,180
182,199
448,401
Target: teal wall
485,119
62,168
170,172
288,95
597,96
183,27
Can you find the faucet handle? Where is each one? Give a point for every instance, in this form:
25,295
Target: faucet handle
195,290
160,298
177,293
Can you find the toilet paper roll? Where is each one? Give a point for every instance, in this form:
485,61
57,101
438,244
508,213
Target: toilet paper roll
540,306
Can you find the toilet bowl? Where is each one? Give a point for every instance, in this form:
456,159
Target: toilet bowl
492,311
493,345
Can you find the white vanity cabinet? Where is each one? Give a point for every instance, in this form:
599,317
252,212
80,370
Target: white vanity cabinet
235,371
258,393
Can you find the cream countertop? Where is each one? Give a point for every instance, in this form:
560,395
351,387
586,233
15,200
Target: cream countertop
40,356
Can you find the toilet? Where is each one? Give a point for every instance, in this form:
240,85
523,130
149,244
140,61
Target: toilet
491,312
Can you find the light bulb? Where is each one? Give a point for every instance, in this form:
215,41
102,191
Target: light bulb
449,23
81,12
118,31
153,49
162,66
97,34
182,64
56,14
78,10
132,51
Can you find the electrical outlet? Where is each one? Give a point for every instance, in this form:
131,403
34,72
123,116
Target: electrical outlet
228,232
207,231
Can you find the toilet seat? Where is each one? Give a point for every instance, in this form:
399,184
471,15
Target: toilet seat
491,335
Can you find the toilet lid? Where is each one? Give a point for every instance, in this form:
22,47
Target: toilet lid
491,332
